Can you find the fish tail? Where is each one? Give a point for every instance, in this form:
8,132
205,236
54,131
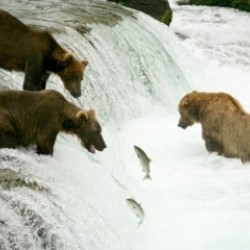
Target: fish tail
147,177
139,224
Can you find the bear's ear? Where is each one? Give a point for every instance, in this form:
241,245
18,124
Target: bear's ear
85,63
82,116
65,60
85,115
184,103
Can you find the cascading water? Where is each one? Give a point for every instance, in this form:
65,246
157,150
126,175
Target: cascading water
72,201
130,57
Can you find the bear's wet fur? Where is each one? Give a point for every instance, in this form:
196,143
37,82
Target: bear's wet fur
37,54
36,117
225,124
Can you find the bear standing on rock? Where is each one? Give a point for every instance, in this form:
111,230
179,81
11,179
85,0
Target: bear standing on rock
36,117
37,54
225,124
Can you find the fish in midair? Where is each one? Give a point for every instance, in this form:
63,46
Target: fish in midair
144,161
137,209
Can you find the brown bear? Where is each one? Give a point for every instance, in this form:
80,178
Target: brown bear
36,117
37,54
225,124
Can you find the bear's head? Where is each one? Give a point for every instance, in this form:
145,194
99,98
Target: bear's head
71,73
89,131
189,110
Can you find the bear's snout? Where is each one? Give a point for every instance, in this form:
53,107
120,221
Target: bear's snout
183,124
100,145
76,94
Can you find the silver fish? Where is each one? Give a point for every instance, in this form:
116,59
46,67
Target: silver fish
137,209
144,161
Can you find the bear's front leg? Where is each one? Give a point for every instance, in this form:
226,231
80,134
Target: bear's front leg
33,72
213,146
44,150
45,142
7,139
43,81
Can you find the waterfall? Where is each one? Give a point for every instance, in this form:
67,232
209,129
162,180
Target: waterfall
134,60
72,201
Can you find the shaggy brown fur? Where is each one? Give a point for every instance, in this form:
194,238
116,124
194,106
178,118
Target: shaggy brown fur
36,117
225,124
37,54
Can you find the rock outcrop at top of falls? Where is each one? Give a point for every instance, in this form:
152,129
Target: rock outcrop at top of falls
159,9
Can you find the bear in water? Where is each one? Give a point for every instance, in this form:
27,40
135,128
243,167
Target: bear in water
225,124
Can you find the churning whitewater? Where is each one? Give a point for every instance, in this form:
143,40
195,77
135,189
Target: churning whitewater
138,71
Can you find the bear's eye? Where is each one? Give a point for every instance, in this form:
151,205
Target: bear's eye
77,78
96,133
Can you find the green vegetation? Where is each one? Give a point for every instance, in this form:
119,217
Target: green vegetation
122,2
167,17
241,4
237,4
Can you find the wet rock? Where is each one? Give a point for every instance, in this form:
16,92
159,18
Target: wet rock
11,179
159,9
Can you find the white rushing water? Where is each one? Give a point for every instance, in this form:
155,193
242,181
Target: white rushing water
139,69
